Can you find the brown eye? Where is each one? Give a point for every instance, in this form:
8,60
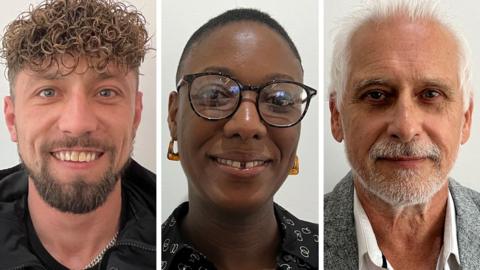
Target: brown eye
376,95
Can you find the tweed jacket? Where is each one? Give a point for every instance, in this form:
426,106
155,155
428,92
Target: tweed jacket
340,239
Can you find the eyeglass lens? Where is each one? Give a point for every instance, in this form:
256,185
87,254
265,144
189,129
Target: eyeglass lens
217,97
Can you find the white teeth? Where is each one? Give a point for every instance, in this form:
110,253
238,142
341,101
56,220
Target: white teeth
75,156
252,164
240,164
81,157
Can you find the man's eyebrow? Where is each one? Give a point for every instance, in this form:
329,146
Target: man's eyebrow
369,82
54,75
48,75
108,75
440,84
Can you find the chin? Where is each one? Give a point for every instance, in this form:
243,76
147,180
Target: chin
242,205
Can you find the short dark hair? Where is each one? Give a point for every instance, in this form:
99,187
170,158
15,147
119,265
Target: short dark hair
231,16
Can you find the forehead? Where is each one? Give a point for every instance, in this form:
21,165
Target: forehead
400,48
69,68
245,48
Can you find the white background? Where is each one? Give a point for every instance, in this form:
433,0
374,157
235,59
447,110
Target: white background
144,150
180,19
464,14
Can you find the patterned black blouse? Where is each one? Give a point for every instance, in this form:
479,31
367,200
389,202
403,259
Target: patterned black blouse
299,244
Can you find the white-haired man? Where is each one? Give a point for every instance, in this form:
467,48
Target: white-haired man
400,100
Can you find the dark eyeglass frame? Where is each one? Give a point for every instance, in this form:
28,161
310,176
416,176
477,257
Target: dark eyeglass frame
189,78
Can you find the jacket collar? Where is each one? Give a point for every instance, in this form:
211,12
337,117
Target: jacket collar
340,238
341,248
138,184
467,209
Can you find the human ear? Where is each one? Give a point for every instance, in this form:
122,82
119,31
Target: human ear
467,123
335,119
9,113
138,109
172,113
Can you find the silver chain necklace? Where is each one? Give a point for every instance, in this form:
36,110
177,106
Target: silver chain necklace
99,257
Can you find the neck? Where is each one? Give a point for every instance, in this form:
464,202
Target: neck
237,240
74,239
410,235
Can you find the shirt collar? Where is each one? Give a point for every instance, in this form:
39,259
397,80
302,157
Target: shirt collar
449,256
370,255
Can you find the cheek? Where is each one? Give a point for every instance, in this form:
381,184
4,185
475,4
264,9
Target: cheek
361,132
32,127
286,140
32,130
192,131
445,133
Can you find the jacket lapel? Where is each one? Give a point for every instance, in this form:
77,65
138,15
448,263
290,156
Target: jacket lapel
467,210
340,240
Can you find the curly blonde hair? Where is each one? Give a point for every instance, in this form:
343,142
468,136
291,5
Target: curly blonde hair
101,31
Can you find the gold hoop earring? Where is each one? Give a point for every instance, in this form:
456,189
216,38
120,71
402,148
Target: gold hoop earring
296,167
171,155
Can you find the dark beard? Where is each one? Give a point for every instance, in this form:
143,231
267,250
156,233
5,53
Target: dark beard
78,196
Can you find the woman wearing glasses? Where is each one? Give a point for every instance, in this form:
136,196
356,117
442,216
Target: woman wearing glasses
235,117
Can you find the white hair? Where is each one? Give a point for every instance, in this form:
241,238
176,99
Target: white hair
381,10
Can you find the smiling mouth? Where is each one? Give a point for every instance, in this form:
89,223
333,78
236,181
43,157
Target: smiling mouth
240,164
76,156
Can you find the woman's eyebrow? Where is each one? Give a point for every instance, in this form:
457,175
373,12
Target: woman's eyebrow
268,77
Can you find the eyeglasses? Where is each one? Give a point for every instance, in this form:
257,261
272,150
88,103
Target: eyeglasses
215,96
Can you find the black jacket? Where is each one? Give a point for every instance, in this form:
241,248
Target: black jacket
135,247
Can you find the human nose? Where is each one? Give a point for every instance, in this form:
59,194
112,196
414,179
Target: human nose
406,120
246,122
78,117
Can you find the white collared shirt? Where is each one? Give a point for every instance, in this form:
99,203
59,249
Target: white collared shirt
370,255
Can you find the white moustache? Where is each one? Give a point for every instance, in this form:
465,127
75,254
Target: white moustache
391,150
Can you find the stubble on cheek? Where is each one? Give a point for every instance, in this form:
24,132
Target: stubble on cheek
77,195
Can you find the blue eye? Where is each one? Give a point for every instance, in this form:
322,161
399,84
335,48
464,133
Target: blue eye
430,94
106,93
47,93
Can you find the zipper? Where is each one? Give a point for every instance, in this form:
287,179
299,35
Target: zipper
134,244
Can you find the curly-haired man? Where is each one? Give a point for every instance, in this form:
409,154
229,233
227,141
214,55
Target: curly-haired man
77,201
